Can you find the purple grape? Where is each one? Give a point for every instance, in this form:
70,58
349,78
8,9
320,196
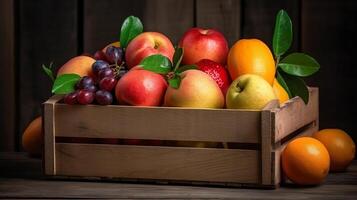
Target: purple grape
85,97
103,97
98,66
106,72
114,55
90,88
85,81
71,98
99,55
107,83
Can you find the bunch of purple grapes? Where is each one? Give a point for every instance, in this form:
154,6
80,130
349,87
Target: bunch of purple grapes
107,70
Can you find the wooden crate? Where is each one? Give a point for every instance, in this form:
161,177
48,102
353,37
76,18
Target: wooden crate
252,142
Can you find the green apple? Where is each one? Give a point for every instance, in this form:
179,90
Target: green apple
249,91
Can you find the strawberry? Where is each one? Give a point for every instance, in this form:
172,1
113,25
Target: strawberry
217,73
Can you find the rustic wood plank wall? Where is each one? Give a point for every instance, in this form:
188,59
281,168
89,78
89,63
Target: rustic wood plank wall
41,31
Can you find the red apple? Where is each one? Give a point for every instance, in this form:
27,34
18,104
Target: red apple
146,44
217,73
201,44
141,88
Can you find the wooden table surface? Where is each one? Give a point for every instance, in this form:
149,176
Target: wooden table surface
21,177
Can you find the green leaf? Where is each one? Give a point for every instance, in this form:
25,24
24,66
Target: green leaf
131,27
65,83
175,82
296,86
177,57
283,84
185,67
299,64
283,33
48,71
157,63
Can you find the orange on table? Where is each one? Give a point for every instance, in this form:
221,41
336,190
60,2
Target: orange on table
32,138
280,92
340,146
251,56
305,161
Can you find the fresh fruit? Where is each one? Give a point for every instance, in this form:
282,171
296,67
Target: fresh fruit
71,98
249,91
98,66
217,73
305,161
197,89
106,72
99,55
107,83
85,97
115,44
251,56
201,44
280,92
114,55
146,44
81,65
340,146
85,81
141,88
32,138
103,97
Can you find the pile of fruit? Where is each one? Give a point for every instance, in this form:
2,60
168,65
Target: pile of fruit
145,69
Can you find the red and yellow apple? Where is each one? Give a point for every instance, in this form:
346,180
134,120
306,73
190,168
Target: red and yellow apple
201,44
146,44
197,89
140,87
81,65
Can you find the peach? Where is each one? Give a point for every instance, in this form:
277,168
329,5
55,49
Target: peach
146,44
81,65
201,44
197,89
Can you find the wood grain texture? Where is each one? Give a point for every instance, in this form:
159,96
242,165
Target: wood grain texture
49,135
170,17
222,15
130,122
172,163
258,19
294,114
329,35
47,32
7,76
20,177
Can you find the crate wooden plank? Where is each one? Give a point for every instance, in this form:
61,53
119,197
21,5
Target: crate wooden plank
167,163
294,114
159,123
49,134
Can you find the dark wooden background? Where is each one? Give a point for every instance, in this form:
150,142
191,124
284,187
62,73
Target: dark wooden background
33,32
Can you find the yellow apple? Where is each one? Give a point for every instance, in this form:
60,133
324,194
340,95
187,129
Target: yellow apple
249,91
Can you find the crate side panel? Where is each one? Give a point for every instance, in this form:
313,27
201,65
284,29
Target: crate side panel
166,163
295,114
159,123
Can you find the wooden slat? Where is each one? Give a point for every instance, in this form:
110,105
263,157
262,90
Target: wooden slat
222,15
47,31
294,114
7,76
163,123
267,130
190,164
49,135
170,17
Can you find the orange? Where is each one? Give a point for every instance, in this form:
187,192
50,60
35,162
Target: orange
305,161
340,147
251,56
280,92
32,139
81,65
